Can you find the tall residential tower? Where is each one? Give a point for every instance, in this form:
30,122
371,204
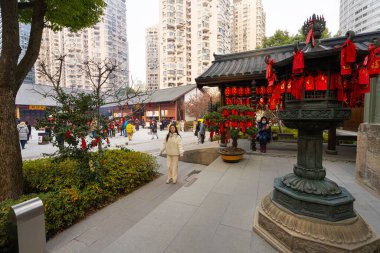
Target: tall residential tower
190,32
152,58
248,28
107,40
359,16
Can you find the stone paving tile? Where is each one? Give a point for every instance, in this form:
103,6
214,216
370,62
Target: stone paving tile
228,239
155,231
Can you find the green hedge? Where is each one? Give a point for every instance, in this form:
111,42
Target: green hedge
68,196
325,135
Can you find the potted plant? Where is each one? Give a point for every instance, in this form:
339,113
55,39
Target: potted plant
233,122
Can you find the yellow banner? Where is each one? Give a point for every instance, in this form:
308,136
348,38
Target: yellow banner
37,107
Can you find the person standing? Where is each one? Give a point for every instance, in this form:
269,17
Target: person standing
173,148
29,129
154,129
125,127
197,128
263,134
202,133
130,130
23,132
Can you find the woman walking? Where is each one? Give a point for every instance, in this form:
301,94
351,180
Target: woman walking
130,130
174,149
23,132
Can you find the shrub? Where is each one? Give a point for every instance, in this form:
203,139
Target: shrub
44,175
68,196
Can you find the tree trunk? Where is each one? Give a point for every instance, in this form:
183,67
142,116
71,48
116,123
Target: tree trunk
11,181
234,142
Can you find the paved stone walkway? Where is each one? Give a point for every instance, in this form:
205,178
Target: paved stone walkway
209,212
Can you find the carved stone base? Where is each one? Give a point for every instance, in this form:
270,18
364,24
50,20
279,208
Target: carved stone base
292,233
331,207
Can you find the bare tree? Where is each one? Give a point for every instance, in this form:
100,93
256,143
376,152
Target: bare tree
197,105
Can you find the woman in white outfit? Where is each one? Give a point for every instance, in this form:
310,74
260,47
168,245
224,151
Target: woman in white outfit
174,149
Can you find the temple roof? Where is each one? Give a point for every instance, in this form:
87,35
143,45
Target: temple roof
250,65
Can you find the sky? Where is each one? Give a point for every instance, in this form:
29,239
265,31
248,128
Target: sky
280,14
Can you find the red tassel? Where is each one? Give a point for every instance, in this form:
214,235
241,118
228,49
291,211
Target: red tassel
363,78
68,134
310,36
321,82
289,86
270,75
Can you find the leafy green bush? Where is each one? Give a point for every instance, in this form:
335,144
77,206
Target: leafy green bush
44,175
69,196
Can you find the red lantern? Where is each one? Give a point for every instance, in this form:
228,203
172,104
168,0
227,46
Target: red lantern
227,92
68,134
345,70
262,90
234,91
228,101
309,83
247,101
269,89
289,86
257,90
282,86
247,91
321,82
248,123
240,91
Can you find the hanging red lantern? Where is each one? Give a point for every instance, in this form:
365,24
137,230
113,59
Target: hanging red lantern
234,91
309,83
346,70
262,90
282,86
289,86
240,91
321,82
228,101
247,101
269,89
248,123
247,91
257,90
227,92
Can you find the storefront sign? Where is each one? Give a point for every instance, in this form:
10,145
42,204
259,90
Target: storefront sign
152,113
37,107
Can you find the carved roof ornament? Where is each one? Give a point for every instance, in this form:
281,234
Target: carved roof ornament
313,28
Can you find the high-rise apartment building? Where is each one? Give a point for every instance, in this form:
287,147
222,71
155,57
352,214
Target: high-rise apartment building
248,28
190,32
359,16
107,40
211,33
152,58
24,31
